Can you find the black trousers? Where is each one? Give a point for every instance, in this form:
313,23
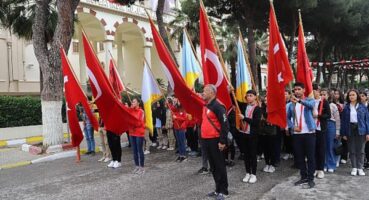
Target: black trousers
231,149
269,142
216,161
192,139
344,154
114,145
320,150
278,145
367,152
287,141
304,145
239,140
251,149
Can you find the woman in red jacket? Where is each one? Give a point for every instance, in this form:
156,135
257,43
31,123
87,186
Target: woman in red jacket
137,137
179,125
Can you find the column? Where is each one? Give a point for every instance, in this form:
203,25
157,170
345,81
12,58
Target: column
120,61
108,47
82,62
147,55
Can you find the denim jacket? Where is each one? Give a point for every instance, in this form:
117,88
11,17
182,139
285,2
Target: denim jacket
362,119
308,114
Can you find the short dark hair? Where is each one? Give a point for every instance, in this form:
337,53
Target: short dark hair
364,93
251,92
289,91
348,96
316,86
299,84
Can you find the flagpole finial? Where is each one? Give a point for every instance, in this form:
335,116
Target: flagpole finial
300,18
271,1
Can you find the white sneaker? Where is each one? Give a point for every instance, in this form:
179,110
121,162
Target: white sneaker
159,147
117,165
141,171
361,172
164,147
154,144
146,152
315,173
246,179
325,169
286,156
271,169
170,149
320,174
354,172
135,170
330,170
266,168
111,164
343,161
107,160
101,159
252,179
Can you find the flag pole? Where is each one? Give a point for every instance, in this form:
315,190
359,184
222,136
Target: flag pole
115,64
247,60
78,154
193,48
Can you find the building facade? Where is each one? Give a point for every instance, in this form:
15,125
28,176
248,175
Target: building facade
116,31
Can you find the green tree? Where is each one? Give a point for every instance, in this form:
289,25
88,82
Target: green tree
50,25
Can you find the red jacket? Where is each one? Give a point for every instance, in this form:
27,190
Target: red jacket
180,120
140,130
191,122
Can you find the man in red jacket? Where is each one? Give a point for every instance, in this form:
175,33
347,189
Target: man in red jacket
214,131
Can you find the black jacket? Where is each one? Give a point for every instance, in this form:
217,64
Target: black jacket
159,113
326,114
219,110
254,122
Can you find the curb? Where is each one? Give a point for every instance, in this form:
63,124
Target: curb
56,156
29,140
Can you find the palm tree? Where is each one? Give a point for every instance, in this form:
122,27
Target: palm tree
49,23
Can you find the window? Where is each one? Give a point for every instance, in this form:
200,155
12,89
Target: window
75,47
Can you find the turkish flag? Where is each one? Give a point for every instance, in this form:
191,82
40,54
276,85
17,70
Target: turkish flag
212,68
304,71
279,74
74,95
115,80
115,115
190,101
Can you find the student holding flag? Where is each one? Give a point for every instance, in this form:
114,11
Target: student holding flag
137,138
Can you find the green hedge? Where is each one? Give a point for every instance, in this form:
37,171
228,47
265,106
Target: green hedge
21,111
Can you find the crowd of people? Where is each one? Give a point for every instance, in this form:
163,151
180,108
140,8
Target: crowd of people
325,129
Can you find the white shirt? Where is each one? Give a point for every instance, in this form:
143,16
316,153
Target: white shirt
353,113
299,114
248,114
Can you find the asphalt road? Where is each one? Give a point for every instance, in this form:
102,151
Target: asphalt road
164,179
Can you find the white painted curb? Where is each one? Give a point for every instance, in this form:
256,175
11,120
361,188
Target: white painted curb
56,156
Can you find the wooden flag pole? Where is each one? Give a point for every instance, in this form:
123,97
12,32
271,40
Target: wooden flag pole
78,159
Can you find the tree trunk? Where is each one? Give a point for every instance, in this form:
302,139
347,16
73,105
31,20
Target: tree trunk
161,26
252,53
50,64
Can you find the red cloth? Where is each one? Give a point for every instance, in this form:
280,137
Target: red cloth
115,80
180,120
190,101
73,96
304,71
116,116
279,74
212,68
191,122
140,130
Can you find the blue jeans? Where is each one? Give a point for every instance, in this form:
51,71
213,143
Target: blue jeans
89,134
330,156
138,154
181,141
